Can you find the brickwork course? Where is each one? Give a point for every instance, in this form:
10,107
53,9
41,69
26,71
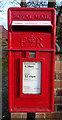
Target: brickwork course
4,36
3,32
4,40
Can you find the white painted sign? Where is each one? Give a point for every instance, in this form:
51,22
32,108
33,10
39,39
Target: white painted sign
31,77
31,23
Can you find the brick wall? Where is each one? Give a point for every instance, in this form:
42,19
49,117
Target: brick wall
3,40
57,113
3,32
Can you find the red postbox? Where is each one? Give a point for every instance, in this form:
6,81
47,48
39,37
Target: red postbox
31,54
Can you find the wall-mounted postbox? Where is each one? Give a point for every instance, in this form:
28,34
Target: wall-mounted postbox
31,54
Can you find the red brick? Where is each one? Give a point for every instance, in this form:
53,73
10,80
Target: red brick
60,76
59,107
54,115
24,115
15,115
39,116
56,76
55,92
58,84
59,92
17,119
5,34
58,100
58,66
57,57
55,108
61,57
